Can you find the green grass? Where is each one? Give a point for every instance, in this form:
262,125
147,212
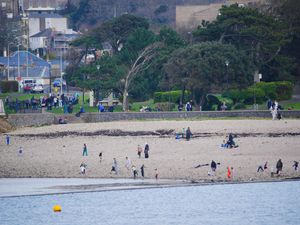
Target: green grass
294,106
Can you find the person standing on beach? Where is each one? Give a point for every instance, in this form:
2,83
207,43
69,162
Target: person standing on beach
146,151
228,173
143,171
128,163
139,151
84,151
7,139
114,166
279,166
295,165
188,134
213,166
82,168
100,157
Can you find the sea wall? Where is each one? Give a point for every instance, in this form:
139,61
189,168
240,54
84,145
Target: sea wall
40,119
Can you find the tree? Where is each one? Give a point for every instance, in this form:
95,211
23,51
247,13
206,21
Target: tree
201,68
141,63
117,30
261,36
10,31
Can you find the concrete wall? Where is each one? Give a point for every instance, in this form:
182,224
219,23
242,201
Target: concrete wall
40,119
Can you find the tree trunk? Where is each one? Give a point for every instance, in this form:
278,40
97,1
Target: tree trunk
125,96
182,95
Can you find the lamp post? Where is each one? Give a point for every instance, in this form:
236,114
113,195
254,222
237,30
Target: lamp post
8,66
98,92
227,78
19,75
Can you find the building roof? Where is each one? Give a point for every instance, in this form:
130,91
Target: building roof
36,66
45,15
43,33
24,55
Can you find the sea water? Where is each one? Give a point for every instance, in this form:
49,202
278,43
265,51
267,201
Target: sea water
242,204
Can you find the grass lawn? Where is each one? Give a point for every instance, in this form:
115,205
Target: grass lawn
294,106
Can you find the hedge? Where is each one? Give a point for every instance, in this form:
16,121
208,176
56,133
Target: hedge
171,96
280,90
9,86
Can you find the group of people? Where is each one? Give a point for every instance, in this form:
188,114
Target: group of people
228,142
129,166
279,167
185,133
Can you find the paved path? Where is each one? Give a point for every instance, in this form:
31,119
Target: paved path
2,111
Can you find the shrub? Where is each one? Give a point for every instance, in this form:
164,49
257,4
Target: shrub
171,96
252,93
9,86
280,90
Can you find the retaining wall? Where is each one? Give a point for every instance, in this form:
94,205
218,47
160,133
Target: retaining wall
40,119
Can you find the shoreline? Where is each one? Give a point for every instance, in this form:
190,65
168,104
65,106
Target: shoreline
126,186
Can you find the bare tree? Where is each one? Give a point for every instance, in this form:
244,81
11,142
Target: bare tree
142,63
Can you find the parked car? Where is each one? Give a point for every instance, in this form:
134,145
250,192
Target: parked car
37,88
57,82
28,87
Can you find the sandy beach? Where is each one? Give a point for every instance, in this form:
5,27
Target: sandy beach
56,151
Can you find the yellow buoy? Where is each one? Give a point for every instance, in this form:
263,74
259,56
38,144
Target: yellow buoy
57,208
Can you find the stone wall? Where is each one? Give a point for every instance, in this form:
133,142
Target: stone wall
40,119
31,119
102,117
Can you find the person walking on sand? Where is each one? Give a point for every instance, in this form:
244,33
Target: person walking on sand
84,151
156,174
188,134
146,151
279,166
295,165
143,171
7,139
100,157
139,151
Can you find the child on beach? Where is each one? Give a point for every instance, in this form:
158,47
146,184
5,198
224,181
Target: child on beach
100,157
228,173
83,168
134,170
156,174
295,165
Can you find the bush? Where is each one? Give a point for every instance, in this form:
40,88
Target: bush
252,93
171,96
9,86
165,106
280,90
214,102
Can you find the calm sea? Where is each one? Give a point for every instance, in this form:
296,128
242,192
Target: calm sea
241,204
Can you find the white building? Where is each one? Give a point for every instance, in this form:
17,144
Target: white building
41,21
